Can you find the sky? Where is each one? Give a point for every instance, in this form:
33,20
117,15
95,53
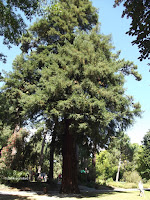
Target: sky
112,23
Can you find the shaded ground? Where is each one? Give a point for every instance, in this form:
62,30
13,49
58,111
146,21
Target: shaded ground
122,195
36,192
36,186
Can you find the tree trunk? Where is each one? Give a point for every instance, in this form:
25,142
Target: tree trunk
94,166
117,175
69,170
41,156
17,128
52,149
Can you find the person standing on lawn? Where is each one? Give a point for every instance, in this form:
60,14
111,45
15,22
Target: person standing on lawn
141,188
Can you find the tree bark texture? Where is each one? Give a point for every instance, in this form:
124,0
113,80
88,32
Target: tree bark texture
41,155
94,166
52,149
69,170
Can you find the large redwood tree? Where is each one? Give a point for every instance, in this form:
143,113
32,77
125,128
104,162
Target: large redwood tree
72,77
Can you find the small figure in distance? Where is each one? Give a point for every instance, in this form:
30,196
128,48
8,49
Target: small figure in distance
141,188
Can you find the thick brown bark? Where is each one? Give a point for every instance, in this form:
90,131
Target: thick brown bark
69,170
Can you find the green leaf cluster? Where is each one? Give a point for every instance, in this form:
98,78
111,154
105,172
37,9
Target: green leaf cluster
144,158
68,74
139,13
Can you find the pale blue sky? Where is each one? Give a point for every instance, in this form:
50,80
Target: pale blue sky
112,23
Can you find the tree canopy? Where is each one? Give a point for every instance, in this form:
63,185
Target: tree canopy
144,158
12,20
68,75
139,13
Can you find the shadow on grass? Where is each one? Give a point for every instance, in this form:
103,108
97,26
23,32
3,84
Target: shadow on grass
82,194
34,186
52,190
12,197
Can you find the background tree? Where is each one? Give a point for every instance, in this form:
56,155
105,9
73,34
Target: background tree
12,23
139,13
5,129
106,166
144,158
133,163
121,159
121,149
12,155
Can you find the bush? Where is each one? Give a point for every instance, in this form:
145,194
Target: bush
100,181
131,177
122,185
109,180
12,176
146,184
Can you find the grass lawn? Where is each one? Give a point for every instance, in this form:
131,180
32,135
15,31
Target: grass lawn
132,195
123,195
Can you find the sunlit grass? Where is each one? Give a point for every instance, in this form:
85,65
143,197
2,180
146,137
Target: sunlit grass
3,187
126,185
134,195
129,195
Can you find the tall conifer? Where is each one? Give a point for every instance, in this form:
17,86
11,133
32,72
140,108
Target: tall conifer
71,76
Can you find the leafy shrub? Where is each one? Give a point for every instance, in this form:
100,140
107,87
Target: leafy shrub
109,180
105,169
12,176
144,180
100,181
146,184
131,177
122,185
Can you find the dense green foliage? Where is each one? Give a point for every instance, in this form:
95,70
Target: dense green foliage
68,78
60,24
120,154
139,13
12,176
73,84
12,23
13,154
144,158
131,177
106,167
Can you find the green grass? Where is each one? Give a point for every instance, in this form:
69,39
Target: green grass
124,195
3,187
126,185
132,195
123,185
90,196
